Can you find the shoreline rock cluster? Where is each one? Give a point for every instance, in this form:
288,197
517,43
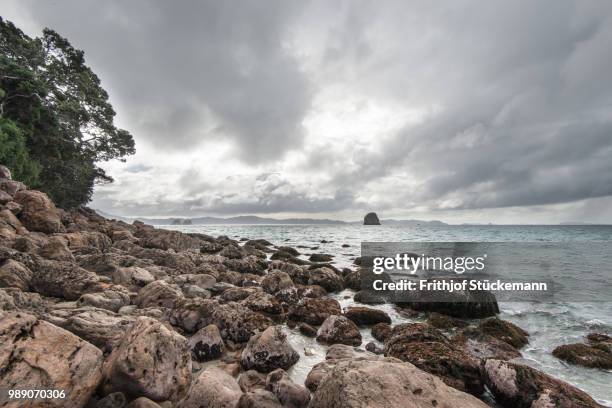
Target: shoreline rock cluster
125,315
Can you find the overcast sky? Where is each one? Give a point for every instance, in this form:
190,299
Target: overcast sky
464,111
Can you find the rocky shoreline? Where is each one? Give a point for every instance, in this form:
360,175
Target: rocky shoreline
126,315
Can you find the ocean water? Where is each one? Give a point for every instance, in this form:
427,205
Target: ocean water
549,324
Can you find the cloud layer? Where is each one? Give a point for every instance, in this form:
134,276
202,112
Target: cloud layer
455,110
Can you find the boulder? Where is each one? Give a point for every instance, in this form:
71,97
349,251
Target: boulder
484,346
133,277
326,278
114,400
63,279
56,249
213,388
515,385
352,280
444,322
386,383
307,330
14,274
268,351
339,329
365,316
206,344
504,331
314,311
111,299
35,354
586,355
320,258
430,350
258,399
371,219
11,187
310,291
290,394
381,331
251,380
38,212
159,294
263,302
100,327
5,172
151,361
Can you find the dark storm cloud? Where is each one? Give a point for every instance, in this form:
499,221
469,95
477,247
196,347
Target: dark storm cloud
183,72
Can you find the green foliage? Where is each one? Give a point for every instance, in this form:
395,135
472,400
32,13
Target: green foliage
61,111
14,155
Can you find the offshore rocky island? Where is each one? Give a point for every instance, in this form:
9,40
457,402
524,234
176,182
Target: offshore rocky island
126,315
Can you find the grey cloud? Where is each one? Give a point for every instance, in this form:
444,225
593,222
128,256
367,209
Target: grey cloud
185,72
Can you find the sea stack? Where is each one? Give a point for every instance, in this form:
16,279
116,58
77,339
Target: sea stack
371,219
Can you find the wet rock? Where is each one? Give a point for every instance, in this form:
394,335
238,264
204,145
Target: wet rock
352,280
233,252
365,316
369,297
310,291
599,338
443,322
484,346
431,351
504,331
468,304
326,278
314,311
374,348
339,329
111,299
386,383
307,330
279,284
14,274
251,380
159,294
594,356
381,331
213,388
38,212
371,219
27,363
298,274
320,258
151,361
515,385
289,394
206,344
258,399
250,264
268,351
63,279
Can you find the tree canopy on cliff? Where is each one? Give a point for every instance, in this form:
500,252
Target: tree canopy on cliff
56,121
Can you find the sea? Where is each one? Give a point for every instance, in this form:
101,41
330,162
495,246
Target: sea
549,323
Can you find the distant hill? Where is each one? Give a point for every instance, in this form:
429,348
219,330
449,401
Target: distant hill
256,220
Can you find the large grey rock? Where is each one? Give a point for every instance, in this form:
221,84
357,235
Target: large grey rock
159,294
289,394
338,329
35,354
386,383
515,385
38,212
14,274
151,361
206,344
214,388
268,351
